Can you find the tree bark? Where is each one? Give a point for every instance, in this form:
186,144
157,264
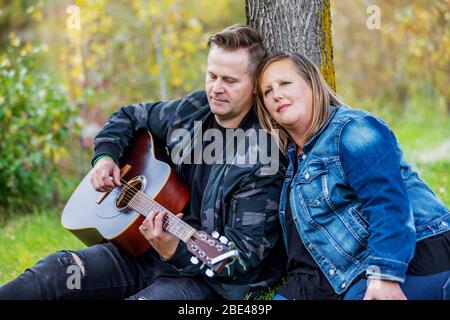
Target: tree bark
296,26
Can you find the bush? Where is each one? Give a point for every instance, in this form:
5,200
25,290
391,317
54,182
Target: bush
35,120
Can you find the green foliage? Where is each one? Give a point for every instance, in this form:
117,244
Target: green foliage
35,121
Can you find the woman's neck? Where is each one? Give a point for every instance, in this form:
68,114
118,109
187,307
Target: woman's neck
298,136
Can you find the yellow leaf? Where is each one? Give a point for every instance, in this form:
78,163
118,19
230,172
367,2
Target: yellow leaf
56,126
176,81
154,69
37,15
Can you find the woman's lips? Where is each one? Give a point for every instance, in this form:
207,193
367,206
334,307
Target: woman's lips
282,107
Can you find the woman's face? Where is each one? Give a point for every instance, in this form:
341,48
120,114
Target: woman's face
287,97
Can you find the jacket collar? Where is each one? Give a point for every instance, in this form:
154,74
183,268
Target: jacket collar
310,143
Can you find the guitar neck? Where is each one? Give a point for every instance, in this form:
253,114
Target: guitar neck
143,204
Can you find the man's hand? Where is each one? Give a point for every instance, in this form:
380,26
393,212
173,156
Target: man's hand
383,290
162,241
104,169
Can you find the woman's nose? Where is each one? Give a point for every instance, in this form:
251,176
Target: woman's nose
276,94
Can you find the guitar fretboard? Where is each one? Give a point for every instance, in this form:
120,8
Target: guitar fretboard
143,204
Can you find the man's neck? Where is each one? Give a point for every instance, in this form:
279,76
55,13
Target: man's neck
232,122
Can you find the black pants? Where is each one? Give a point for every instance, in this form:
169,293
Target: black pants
109,274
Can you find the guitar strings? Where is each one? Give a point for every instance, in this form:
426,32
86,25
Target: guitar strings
151,204
154,205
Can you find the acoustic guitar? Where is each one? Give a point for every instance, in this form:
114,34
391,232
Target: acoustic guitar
148,183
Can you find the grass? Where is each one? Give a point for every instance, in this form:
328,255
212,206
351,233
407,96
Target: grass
419,140
27,238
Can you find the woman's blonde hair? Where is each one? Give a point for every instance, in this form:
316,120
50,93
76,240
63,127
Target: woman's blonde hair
322,95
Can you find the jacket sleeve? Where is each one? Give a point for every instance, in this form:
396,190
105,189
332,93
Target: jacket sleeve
252,225
370,157
115,136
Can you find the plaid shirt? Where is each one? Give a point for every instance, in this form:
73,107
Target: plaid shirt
242,196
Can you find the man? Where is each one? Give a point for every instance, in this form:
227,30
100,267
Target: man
239,200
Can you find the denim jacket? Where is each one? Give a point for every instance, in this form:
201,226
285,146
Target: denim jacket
358,206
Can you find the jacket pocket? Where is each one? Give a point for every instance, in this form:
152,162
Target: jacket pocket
311,172
312,183
359,226
249,217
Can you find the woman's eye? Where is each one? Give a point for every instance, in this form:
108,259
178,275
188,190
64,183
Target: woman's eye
285,82
265,93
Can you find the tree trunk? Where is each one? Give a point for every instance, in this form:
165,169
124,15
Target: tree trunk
296,26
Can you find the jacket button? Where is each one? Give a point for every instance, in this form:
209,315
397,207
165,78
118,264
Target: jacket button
304,157
444,224
307,176
343,285
311,246
331,272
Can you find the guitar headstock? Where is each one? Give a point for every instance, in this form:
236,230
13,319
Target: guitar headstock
213,251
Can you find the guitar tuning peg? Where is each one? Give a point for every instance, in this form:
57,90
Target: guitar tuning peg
209,273
194,260
223,239
215,234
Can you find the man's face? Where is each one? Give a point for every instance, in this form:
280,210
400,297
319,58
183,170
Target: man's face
229,85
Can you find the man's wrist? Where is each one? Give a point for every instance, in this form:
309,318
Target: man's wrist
100,157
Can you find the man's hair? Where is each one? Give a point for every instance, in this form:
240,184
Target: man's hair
241,37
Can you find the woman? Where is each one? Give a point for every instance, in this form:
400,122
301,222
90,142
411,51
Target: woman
357,221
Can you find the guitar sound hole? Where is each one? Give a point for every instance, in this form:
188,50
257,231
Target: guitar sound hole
129,191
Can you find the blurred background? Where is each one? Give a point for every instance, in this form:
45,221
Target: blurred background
65,66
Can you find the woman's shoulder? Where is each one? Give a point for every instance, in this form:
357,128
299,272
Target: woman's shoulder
360,128
345,113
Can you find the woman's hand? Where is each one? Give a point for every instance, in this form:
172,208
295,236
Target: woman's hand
383,290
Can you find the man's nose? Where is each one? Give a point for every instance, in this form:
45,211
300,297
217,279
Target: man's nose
218,87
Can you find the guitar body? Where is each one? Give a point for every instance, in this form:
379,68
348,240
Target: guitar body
95,223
